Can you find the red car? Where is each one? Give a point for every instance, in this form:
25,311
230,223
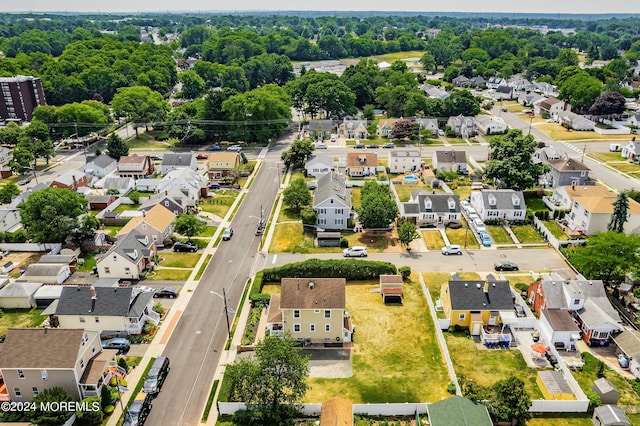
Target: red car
202,156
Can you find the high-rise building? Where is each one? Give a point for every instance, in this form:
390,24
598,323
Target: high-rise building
19,96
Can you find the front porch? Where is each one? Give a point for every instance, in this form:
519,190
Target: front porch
100,370
496,336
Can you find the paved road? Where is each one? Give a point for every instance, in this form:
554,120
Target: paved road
199,337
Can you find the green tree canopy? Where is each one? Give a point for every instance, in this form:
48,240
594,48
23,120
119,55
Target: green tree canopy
407,232
139,104
297,195
188,224
378,208
53,417
116,147
8,191
619,216
510,401
192,84
297,155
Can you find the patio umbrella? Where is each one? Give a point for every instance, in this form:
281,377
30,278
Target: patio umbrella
539,347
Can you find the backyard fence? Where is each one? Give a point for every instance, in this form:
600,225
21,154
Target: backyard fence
54,248
547,235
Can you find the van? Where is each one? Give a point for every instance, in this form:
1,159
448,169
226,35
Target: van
156,376
138,411
615,147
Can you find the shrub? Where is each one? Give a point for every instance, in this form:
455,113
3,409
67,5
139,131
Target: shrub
350,269
344,243
107,397
594,399
90,417
451,388
159,308
122,363
405,271
108,409
522,287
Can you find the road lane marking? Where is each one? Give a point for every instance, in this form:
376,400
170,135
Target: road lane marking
275,257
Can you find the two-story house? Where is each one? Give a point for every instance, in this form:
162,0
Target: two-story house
427,123
495,82
187,180
176,160
567,172
462,126
449,161
504,204
427,209
490,125
361,164
404,161
587,303
319,165
385,127
354,129
135,166
114,310
312,310
128,257
35,359
174,200
72,179
332,202
320,129
551,106
157,224
100,166
220,164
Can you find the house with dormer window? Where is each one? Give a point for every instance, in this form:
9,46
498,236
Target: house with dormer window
332,202
361,164
404,161
127,257
505,204
354,129
157,224
428,209
135,166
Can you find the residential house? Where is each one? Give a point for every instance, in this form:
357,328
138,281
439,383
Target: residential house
174,200
127,258
461,81
100,166
332,202
476,304
587,303
354,129
404,161
191,183
385,127
434,92
135,166
528,99
551,106
634,119
628,344
221,164
360,163
73,180
157,224
521,85
19,295
490,125
559,328
549,153
100,202
462,126
428,124
546,89
320,129
631,151
449,161
505,204
495,82
458,411
147,185
47,272
5,156
35,359
504,92
9,219
311,310
319,165
567,172
117,310
562,197
477,81
575,121
431,209
610,415
121,184
177,160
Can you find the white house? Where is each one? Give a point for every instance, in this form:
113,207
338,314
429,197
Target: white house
177,160
575,121
121,184
319,165
628,344
490,125
462,126
354,129
558,328
495,82
127,257
504,204
332,202
634,119
427,209
631,151
404,161
449,161
9,219
428,124
187,180
100,166
360,163
552,106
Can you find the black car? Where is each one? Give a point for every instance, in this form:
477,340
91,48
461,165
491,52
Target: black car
505,266
188,247
120,343
169,292
359,146
373,146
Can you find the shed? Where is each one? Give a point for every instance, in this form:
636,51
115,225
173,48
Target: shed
329,239
336,412
8,267
18,295
610,415
47,272
47,294
391,288
554,386
608,393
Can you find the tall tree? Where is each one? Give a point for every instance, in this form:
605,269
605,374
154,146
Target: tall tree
192,84
610,103
619,216
297,195
188,224
297,155
52,416
272,382
511,401
378,208
116,147
139,104
8,191
407,232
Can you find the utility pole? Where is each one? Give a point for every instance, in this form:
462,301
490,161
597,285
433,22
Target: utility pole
226,312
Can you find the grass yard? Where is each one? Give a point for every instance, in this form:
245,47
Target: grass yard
112,230
456,141
514,107
15,318
555,230
606,156
434,282
536,204
561,419
463,191
147,141
626,167
287,237
499,235
124,207
396,56
404,191
396,357
589,373
356,197
219,205
458,236
169,275
179,260
559,133
208,231
486,367
432,239
87,266
286,215
527,234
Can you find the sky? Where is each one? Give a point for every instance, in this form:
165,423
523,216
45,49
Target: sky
534,6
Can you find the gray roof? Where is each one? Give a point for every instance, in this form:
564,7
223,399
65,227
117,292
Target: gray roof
99,198
49,292
103,161
320,158
56,348
451,156
113,182
177,159
324,124
458,411
471,296
560,320
106,282
116,301
603,386
555,382
504,89
504,199
439,202
20,289
611,415
58,258
332,186
597,311
629,342
132,247
557,293
567,165
404,153
174,194
44,269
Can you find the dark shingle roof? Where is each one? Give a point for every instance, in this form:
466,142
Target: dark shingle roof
470,295
504,199
177,159
439,202
451,156
109,301
132,247
331,185
324,293
103,161
41,348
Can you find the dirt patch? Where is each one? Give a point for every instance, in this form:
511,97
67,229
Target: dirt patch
21,259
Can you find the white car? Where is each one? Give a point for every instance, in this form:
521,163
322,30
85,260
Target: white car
236,148
452,249
479,224
355,251
321,145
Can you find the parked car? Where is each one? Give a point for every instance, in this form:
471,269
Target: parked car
236,148
120,343
355,251
138,411
321,145
227,234
155,157
359,146
451,249
440,132
169,292
505,266
519,311
155,378
389,145
312,185
24,181
334,137
485,238
464,205
479,224
373,146
214,185
202,156
188,247
214,148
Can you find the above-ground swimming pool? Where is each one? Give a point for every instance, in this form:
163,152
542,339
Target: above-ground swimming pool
411,178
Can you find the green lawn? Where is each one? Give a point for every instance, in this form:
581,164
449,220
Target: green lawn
463,191
434,282
112,230
462,236
208,231
87,266
220,204
356,197
555,230
527,234
397,56
562,419
499,235
486,367
169,275
287,215
589,374
287,237
16,318
147,141
124,207
396,357
606,156
536,204
179,260
456,141
290,238
404,190
432,239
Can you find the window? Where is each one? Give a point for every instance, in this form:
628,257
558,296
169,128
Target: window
127,271
576,301
296,313
97,319
327,327
107,270
17,393
312,328
20,374
81,319
316,311
44,374
296,328
166,204
462,317
35,391
82,363
327,313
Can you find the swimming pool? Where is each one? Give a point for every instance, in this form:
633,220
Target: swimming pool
411,178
